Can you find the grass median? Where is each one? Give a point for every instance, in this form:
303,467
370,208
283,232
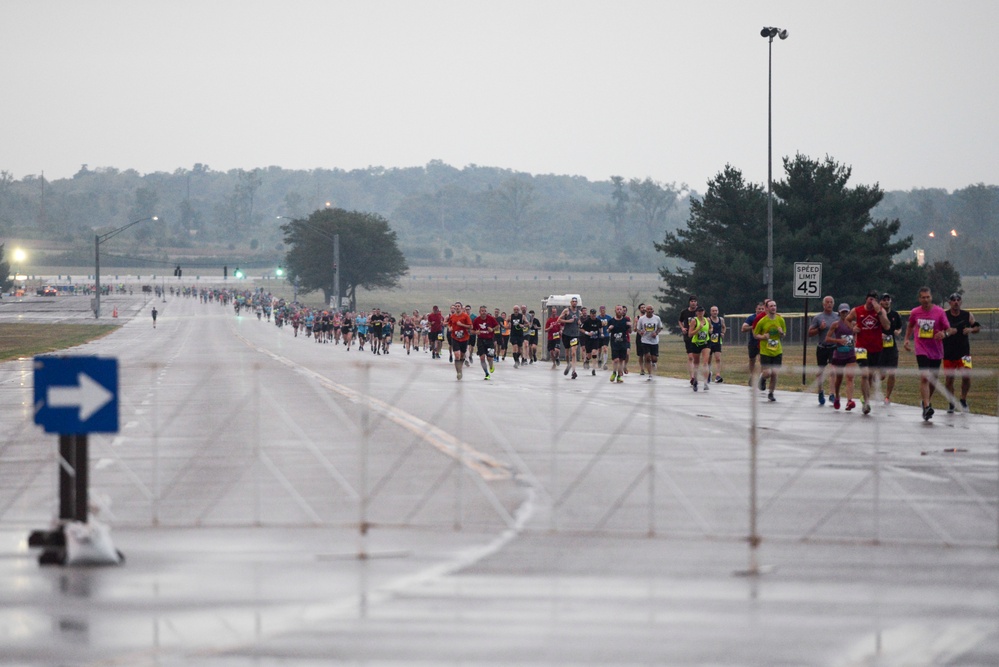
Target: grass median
24,339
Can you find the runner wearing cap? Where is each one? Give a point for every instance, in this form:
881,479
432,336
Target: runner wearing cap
843,358
957,350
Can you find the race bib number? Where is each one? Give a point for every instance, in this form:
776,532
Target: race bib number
714,338
440,336
556,336
773,343
888,340
618,336
700,338
925,328
573,342
966,361
861,353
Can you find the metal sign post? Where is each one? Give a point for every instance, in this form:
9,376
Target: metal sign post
73,396
807,283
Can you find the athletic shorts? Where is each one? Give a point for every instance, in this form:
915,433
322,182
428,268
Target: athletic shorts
715,347
776,360
700,348
840,362
619,352
753,350
690,347
484,345
652,350
592,344
924,362
570,342
873,360
459,346
553,345
956,364
517,338
889,357
639,348
823,355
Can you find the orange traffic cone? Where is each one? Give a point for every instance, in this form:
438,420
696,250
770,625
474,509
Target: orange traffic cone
114,313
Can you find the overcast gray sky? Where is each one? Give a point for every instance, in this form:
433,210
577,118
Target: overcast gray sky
904,91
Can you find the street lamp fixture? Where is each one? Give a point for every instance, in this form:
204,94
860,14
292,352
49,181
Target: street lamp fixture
769,33
98,240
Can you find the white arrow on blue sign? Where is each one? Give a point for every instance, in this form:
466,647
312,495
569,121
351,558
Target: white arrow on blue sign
76,394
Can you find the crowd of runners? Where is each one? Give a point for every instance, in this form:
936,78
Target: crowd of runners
856,341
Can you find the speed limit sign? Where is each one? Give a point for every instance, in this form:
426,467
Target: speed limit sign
807,279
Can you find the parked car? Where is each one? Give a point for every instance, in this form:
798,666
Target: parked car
48,290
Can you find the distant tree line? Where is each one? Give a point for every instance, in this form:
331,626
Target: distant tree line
441,214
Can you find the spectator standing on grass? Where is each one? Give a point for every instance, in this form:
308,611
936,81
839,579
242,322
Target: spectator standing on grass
927,327
957,350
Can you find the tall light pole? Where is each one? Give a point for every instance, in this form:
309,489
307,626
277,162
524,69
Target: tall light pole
98,240
769,33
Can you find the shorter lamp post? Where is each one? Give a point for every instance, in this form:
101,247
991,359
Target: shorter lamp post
98,240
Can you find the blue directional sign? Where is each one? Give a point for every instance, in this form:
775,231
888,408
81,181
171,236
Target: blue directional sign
76,395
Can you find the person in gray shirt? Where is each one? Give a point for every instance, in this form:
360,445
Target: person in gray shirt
823,353
570,319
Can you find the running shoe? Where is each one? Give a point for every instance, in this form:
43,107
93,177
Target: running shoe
613,377
459,373
867,408
836,402
718,379
620,379
927,413
567,369
594,371
763,383
950,409
693,383
574,375
706,387
822,397
487,377
491,369
850,405
964,406
770,397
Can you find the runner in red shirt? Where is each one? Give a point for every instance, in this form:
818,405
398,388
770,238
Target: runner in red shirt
554,330
868,321
436,321
485,327
459,324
